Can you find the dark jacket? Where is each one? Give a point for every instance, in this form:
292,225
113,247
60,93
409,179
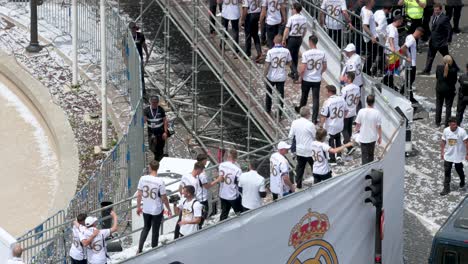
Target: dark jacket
440,31
454,3
446,85
463,80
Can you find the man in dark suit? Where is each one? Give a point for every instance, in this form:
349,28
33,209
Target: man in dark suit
440,35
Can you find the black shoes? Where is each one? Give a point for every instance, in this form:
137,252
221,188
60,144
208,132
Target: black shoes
424,73
445,191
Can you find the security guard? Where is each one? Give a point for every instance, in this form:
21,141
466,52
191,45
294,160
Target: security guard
414,10
462,96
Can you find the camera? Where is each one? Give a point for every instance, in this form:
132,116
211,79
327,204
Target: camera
174,198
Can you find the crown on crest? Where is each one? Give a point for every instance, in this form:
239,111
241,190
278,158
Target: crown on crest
313,225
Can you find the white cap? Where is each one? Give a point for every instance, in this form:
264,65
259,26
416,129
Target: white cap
90,220
283,145
350,47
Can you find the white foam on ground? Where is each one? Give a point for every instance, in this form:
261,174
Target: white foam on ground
427,223
48,156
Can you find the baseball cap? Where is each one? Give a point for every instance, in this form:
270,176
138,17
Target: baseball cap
350,47
90,220
283,145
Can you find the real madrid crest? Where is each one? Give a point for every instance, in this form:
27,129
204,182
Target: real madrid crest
306,238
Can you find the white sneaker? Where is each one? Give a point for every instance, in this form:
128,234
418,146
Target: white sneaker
350,151
339,160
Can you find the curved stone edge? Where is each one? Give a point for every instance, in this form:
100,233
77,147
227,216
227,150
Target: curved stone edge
57,123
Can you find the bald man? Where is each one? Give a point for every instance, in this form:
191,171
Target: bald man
17,251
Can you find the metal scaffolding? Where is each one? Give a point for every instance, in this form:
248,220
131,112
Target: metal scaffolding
226,111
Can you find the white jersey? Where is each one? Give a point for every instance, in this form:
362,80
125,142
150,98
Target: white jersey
392,32
278,167
304,132
368,19
313,60
354,64
15,261
381,21
77,251
334,109
231,172
273,16
320,156
190,210
152,189
410,43
253,6
369,119
334,9
97,251
197,182
202,195
231,9
252,184
297,25
278,57
455,150
351,93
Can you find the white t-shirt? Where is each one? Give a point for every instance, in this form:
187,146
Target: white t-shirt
392,32
96,251
354,64
278,57
334,109
313,60
351,93
369,118
278,167
320,157
15,261
231,172
231,9
304,131
200,193
273,16
188,215
368,19
153,188
410,43
381,20
297,25
455,150
253,6
251,183
77,251
334,8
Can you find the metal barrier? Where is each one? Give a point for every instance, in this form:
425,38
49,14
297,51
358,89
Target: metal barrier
49,242
380,61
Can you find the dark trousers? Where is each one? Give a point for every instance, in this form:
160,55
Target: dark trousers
150,222
206,209
428,12
412,75
305,89
294,45
263,37
213,4
245,209
301,164
280,88
226,206
235,29
335,35
454,11
372,50
440,99
143,76
348,130
251,32
74,261
321,177
462,102
276,196
156,144
431,53
367,152
271,32
335,142
448,173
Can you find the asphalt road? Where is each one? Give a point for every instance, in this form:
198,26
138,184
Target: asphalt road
425,209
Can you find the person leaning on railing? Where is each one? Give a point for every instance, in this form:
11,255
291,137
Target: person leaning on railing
335,10
371,37
77,251
95,239
16,252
